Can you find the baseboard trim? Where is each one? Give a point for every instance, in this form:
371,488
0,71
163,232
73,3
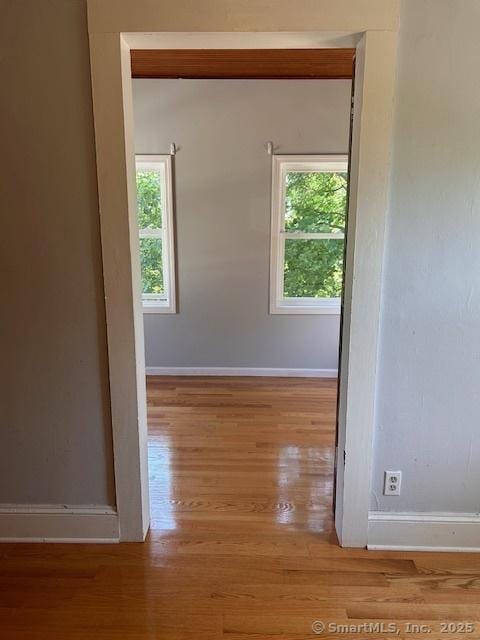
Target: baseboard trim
58,523
241,371
424,531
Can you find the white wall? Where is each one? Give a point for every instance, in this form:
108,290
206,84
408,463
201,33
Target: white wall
428,422
223,190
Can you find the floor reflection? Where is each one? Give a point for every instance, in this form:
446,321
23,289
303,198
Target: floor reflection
240,454
162,512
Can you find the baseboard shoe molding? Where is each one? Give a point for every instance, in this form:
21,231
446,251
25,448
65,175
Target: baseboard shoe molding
241,371
424,531
58,523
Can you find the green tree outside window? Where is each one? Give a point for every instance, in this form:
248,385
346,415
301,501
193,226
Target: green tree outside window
315,202
149,207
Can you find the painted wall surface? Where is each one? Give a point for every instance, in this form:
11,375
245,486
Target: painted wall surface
55,437
55,440
223,188
428,395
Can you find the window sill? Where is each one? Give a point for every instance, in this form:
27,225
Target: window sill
153,307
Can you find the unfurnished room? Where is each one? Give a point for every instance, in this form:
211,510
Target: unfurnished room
239,338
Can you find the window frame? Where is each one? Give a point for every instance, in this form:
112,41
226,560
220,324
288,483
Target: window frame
281,165
151,302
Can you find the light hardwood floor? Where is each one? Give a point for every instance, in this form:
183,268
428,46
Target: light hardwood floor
242,543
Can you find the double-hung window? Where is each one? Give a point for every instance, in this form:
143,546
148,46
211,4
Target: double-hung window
309,200
155,230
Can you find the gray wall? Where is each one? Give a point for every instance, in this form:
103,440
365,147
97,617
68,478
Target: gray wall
55,426
55,434
223,215
429,398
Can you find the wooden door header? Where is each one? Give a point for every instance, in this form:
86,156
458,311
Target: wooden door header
243,63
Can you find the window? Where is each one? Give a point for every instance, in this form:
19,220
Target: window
155,230
309,199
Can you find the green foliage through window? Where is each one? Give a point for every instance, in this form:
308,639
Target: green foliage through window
313,268
149,205
151,265
315,202
149,201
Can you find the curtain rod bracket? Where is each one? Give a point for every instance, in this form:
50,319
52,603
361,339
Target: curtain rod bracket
173,149
269,147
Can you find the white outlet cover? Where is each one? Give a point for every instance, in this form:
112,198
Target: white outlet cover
392,483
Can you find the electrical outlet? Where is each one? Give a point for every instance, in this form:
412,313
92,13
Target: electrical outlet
392,483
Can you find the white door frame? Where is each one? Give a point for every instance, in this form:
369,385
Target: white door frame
116,26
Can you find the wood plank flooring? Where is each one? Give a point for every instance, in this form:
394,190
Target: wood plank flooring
242,545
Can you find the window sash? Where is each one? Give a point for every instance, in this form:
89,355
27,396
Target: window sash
311,235
281,165
303,302
163,302
154,296
151,233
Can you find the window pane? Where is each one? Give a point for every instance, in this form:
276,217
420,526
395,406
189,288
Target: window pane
152,266
149,202
315,202
313,268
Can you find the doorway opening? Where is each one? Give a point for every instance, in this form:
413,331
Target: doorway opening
113,34
241,177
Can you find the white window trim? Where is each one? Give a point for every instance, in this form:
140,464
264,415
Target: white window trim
281,164
151,302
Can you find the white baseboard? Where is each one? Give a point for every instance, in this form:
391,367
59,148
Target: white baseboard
424,531
56,523
241,371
